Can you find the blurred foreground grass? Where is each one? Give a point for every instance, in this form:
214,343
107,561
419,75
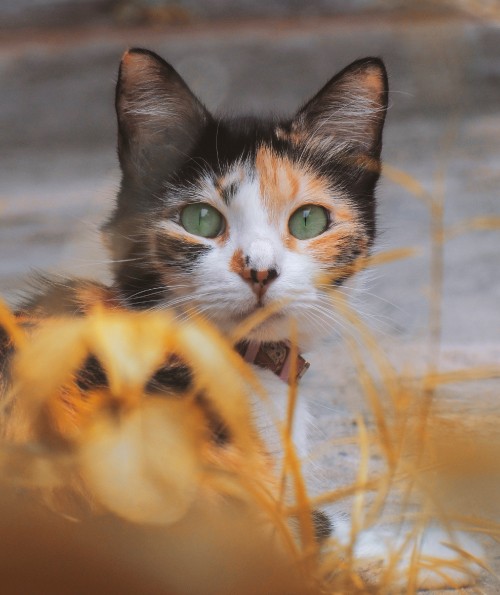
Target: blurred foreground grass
140,477
110,490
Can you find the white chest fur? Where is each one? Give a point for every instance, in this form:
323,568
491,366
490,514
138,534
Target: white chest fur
270,413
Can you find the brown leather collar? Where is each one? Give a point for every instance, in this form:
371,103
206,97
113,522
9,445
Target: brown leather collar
276,357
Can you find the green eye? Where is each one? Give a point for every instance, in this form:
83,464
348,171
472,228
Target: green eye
201,219
308,222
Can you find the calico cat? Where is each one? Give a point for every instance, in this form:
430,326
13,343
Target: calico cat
223,217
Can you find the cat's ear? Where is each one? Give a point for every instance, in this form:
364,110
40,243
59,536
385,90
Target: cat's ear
159,118
348,113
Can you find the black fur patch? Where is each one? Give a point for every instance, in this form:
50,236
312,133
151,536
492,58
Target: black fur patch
139,285
322,525
177,253
6,353
175,378
91,375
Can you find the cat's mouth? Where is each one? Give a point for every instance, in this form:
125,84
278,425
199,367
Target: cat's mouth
270,318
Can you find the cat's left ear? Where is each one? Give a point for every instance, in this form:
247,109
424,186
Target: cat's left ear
348,113
159,118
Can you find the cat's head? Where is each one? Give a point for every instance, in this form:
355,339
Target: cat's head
222,217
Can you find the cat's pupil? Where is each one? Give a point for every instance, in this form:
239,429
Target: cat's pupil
202,219
308,222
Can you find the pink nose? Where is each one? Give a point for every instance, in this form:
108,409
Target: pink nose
259,280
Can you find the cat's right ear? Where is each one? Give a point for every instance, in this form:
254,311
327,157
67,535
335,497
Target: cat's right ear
348,113
159,118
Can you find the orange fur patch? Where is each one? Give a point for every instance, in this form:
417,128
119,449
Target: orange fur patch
127,58
192,239
343,213
291,243
373,81
327,247
315,189
185,237
237,262
88,296
279,181
134,65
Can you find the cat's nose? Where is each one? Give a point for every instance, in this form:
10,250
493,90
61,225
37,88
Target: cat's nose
259,280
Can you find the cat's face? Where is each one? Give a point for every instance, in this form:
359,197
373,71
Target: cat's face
225,217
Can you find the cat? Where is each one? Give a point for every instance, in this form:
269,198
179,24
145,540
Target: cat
223,217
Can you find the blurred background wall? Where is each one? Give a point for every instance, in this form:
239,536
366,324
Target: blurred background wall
67,12
58,167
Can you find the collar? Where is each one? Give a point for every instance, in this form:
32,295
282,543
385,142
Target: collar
276,357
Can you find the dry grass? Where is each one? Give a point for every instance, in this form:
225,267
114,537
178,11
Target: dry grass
130,494
218,515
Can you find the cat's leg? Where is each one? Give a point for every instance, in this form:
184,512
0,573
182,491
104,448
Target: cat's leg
271,418
270,415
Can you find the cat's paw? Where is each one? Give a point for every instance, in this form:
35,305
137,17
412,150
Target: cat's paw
436,560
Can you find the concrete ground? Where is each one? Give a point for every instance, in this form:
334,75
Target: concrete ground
58,169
